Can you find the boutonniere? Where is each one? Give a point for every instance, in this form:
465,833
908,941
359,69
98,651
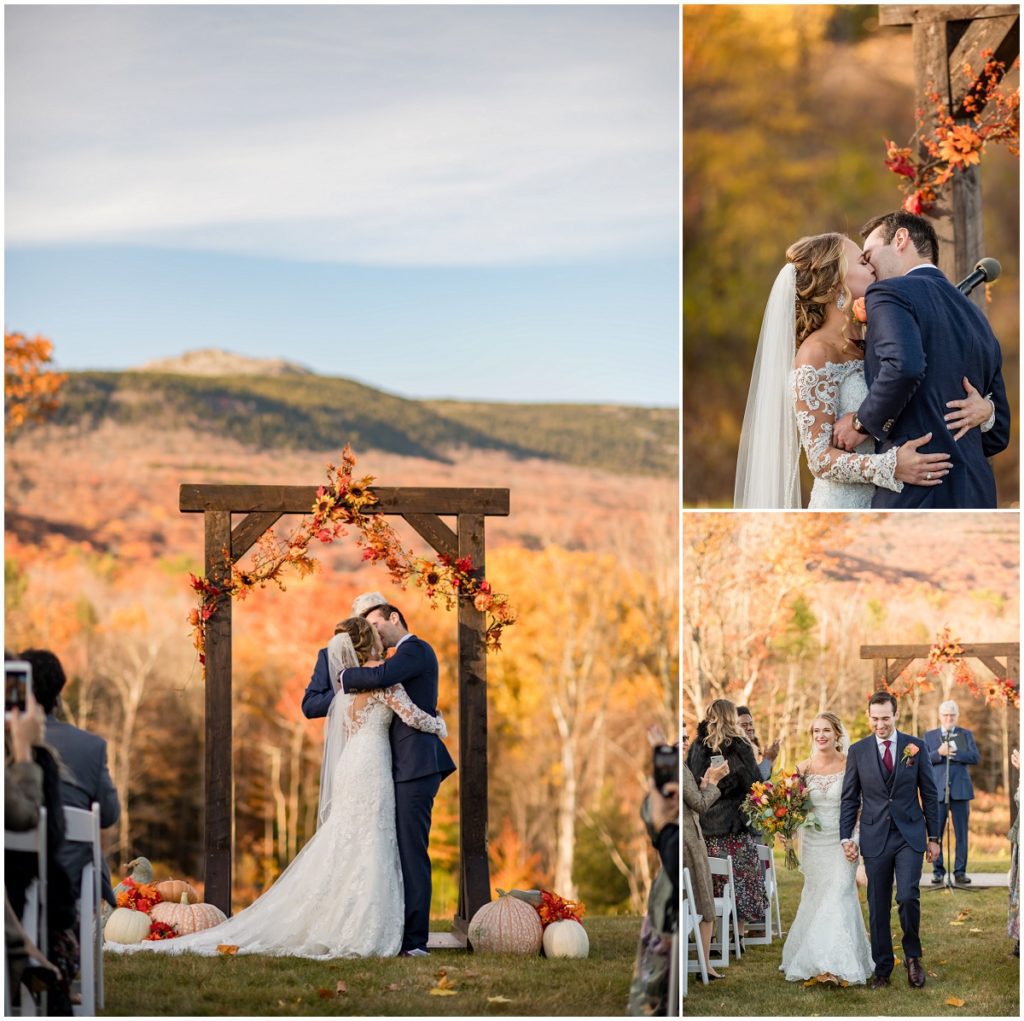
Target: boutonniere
859,311
909,754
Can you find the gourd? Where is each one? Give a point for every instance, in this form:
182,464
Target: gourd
126,925
506,926
566,938
185,918
171,890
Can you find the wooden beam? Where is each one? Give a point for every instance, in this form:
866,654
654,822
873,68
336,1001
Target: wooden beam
1000,35
975,649
915,14
249,529
436,532
474,869
194,498
219,779
896,666
994,665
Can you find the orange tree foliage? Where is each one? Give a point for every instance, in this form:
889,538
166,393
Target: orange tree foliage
30,390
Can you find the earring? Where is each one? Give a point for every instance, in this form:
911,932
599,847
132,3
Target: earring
841,302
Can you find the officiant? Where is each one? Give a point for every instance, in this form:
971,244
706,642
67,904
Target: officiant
953,744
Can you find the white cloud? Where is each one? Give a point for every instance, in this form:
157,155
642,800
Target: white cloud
365,134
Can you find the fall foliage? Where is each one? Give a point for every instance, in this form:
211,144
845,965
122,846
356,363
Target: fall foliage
30,390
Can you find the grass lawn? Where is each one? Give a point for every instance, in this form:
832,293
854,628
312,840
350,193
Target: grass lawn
970,962
146,985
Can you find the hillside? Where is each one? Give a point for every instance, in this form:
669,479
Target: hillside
319,413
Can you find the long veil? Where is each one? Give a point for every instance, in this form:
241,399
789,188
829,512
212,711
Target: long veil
341,654
767,467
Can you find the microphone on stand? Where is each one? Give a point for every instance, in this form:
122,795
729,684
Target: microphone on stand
985,271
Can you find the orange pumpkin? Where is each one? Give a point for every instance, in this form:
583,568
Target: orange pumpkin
185,918
172,889
506,926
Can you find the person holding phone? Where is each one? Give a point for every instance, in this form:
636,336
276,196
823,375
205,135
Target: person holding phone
721,739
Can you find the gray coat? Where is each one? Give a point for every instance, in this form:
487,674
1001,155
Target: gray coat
84,779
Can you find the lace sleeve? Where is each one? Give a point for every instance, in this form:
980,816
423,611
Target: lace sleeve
406,710
815,393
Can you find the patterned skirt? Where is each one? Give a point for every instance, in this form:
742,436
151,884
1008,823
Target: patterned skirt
1013,921
751,896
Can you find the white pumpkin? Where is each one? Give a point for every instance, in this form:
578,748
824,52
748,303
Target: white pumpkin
566,938
506,926
125,925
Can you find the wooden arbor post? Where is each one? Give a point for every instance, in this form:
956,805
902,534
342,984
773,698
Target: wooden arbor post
891,660
946,35
422,508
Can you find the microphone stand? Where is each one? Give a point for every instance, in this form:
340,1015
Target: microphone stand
947,823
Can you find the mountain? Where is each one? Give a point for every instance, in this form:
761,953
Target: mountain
213,361
291,409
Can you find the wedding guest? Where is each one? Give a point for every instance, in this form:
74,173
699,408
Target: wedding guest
769,755
697,799
85,777
726,830
1013,920
954,744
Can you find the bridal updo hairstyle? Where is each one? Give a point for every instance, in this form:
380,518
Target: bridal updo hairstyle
820,263
835,723
722,725
364,637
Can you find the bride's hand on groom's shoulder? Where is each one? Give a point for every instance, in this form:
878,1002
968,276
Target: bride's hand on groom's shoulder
919,469
374,662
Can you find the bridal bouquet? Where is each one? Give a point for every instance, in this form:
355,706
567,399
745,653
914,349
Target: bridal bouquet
779,809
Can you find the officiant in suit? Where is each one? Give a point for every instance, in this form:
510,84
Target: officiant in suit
955,745
924,341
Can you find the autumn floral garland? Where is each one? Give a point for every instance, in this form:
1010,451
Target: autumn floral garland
993,116
344,503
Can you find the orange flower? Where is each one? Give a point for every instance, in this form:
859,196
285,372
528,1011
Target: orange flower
780,812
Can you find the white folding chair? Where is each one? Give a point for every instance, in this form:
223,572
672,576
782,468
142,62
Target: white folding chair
727,921
691,926
761,933
33,919
83,827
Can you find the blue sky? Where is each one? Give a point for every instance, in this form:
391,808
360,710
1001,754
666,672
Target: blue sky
478,202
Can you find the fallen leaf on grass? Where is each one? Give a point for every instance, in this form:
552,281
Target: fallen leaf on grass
826,978
943,962
227,949
954,922
498,999
342,989
444,985
331,994
952,1001
975,930
966,913
896,962
394,987
437,991
932,974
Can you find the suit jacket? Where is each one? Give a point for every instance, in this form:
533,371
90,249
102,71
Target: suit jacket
906,800
84,779
967,754
414,753
318,695
923,337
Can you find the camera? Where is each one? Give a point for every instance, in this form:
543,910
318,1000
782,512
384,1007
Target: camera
666,765
19,685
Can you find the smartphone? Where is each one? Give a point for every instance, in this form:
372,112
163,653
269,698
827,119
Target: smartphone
717,760
19,685
666,765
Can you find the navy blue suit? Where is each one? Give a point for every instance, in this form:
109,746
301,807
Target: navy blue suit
419,762
961,790
923,337
897,815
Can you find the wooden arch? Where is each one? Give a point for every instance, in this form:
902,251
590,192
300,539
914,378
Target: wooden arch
423,508
944,36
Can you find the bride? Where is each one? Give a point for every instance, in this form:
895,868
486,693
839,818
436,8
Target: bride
809,371
342,895
828,932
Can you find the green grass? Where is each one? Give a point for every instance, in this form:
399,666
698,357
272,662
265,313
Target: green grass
146,985
977,968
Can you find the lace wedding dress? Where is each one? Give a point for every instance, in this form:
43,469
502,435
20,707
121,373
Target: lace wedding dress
828,932
842,481
342,894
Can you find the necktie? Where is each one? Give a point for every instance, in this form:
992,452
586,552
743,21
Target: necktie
887,757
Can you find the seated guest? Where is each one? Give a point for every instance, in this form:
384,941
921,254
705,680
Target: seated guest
955,744
770,754
84,774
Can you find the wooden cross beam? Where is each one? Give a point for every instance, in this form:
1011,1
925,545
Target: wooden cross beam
944,36
891,660
422,508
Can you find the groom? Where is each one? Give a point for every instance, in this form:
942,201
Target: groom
419,761
923,339
889,780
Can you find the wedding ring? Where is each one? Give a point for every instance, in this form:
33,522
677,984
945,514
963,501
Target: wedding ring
928,475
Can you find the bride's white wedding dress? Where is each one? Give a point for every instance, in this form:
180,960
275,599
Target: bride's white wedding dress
842,481
342,895
828,932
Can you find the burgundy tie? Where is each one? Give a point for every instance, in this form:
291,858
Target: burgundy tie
887,757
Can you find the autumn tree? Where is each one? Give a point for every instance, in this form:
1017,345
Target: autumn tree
30,389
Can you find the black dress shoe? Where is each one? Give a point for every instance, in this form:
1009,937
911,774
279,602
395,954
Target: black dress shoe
915,972
938,877
879,981
962,880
